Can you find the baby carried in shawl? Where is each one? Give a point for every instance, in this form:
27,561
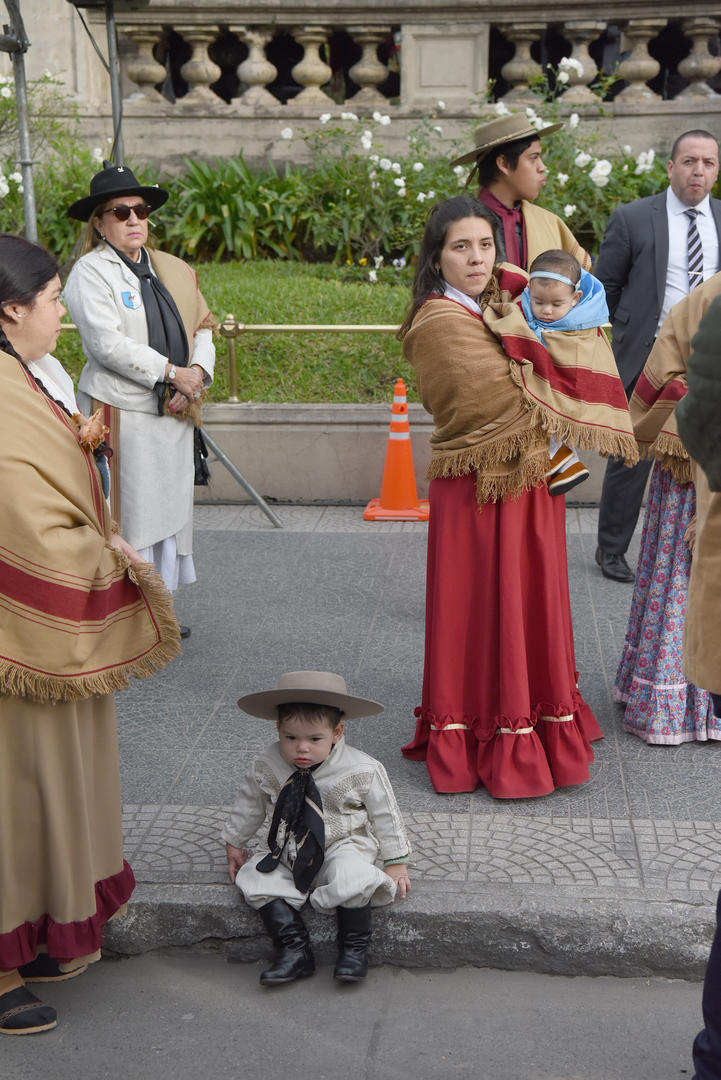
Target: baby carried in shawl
567,371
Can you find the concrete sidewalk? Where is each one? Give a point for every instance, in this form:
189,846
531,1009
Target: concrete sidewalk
618,875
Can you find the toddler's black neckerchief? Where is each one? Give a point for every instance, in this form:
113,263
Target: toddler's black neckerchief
298,826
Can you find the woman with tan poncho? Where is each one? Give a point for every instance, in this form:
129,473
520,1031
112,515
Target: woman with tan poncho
79,615
666,695
500,703
147,336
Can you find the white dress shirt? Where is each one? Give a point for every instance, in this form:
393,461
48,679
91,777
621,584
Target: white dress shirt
677,269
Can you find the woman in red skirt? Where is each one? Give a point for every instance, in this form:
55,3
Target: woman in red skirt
500,705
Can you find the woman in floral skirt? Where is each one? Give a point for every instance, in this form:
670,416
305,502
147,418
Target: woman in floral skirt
661,706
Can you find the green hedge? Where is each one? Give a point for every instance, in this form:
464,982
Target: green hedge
339,232
298,368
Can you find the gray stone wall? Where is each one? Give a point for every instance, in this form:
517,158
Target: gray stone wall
445,54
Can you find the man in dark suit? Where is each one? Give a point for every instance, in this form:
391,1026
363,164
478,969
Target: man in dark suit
645,266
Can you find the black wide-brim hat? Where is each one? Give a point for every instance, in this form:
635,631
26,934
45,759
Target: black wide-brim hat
112,182
309,687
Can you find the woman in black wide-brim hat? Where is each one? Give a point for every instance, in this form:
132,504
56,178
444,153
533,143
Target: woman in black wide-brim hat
147,335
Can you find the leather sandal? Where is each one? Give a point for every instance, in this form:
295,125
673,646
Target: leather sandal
44,969
21,1013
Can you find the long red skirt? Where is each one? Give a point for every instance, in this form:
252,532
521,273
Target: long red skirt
500,705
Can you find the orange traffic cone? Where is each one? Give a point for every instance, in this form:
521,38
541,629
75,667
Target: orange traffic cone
399,499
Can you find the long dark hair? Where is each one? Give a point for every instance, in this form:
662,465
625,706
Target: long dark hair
428,280
25,270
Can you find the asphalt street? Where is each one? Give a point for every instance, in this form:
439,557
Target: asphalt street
183,1016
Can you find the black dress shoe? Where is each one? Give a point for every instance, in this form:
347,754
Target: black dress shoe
184,631
614,567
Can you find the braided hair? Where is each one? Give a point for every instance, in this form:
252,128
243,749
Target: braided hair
25,270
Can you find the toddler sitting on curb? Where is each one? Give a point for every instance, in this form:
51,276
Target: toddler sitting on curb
332,809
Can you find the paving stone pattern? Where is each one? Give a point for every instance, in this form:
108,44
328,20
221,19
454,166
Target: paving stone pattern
332,591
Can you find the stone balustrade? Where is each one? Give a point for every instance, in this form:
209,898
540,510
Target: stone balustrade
232,57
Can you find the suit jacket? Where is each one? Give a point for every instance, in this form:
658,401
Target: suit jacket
632,264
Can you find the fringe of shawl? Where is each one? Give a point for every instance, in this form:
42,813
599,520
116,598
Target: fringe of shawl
669,451
20,681
524,472
602,440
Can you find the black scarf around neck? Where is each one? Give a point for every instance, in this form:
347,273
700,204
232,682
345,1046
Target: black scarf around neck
166,333
298,826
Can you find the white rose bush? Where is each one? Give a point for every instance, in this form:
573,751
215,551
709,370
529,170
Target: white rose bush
361,203
584,185
354,191
63,163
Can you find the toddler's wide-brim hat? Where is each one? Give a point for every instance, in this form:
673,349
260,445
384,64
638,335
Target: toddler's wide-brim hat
500,130
112,182
309,687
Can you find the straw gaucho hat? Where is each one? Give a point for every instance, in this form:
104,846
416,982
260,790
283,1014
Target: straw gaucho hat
500,130
312,687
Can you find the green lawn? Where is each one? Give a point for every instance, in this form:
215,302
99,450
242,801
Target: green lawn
294,367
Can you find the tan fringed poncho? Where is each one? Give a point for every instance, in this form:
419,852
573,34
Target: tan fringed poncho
182,283
493,411
73,621
662,383
570,383
481,420
545,231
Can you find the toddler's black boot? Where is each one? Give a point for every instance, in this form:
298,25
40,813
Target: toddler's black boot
354,932
293,956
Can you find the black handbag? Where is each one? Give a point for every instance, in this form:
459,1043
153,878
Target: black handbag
200,459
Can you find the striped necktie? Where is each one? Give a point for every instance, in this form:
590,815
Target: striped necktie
695,252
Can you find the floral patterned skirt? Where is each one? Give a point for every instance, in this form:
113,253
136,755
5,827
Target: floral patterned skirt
661,706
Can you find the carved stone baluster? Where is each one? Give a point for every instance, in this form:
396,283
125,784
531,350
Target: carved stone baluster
640,67
369,72
143,68
256,71
581,34
200,71
311,72
522,68
699,65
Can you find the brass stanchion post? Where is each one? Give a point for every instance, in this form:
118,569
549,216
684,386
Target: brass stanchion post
230,329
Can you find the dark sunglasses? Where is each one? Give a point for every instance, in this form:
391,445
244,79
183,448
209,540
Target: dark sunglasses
122,212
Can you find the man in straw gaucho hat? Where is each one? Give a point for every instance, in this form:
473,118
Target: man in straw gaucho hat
511,173
333,810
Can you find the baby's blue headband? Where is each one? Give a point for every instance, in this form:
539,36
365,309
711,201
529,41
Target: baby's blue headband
556,277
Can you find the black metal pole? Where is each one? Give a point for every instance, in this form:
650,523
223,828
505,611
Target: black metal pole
16,42
115,94
26,161
237,475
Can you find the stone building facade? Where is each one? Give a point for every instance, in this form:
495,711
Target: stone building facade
209,77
